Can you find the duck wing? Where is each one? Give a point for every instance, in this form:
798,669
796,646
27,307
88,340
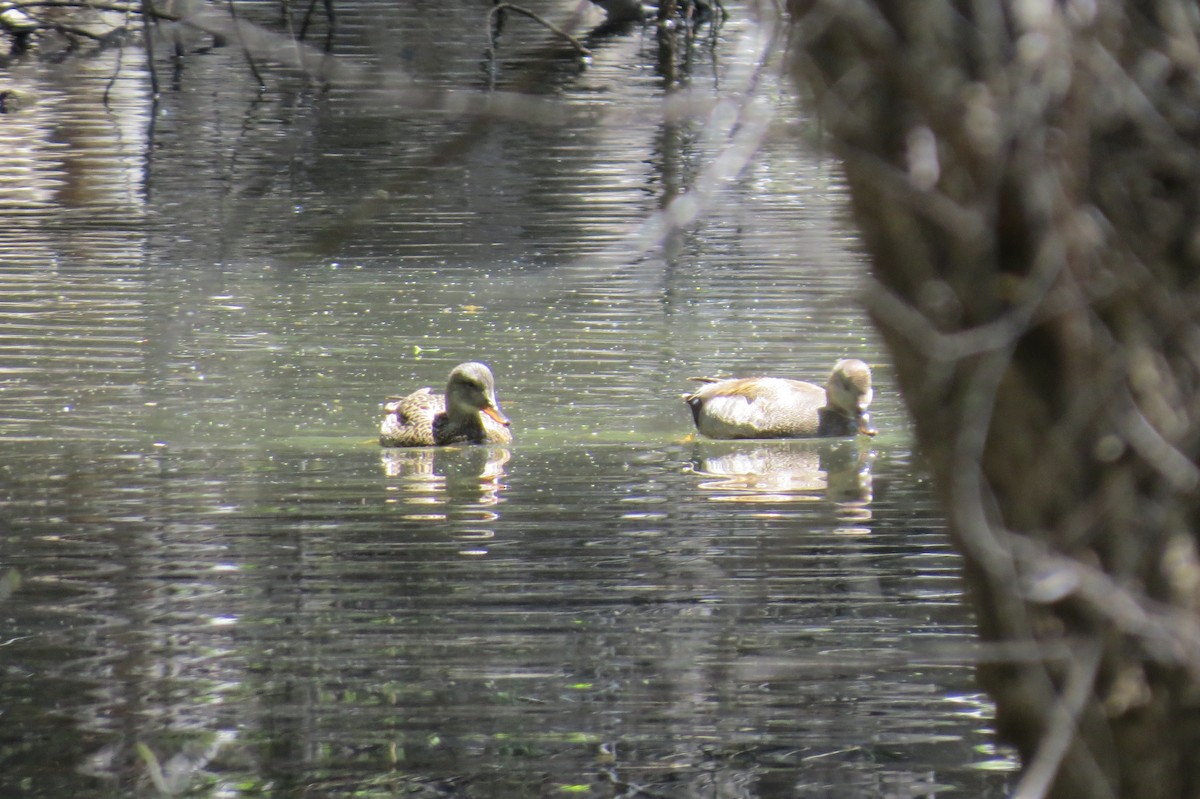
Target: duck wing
756,407
408,421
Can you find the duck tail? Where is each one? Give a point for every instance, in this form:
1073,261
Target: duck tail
694,404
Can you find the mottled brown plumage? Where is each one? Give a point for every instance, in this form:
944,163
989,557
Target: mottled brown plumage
468,413
775,407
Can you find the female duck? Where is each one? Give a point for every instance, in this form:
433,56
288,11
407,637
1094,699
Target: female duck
774,407
467,414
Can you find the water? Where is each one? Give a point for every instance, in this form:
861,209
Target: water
213,580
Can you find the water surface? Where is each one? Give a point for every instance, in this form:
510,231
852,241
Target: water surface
212,578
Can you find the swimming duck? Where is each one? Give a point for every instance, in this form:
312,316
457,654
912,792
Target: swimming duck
774,407
467,414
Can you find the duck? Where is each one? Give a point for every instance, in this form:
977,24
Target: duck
776,407
468,413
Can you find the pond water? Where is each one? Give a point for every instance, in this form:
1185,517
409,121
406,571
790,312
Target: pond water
214,582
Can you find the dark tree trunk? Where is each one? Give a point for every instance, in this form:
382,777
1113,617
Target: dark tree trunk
1026,178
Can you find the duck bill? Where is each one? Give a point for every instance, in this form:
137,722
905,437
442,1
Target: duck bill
496,416
864,425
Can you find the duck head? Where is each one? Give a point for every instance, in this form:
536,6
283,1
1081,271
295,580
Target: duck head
849,392
472,389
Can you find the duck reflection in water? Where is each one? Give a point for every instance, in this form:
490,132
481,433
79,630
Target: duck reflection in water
433,475
787,471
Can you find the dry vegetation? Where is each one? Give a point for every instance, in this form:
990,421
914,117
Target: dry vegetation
1025,176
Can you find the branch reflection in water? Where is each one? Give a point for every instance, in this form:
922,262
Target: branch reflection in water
787,471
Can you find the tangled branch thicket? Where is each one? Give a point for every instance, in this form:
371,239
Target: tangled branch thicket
1026,177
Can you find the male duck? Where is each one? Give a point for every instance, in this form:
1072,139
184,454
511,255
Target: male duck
467,414
774,407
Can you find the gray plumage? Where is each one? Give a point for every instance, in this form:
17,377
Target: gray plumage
775,407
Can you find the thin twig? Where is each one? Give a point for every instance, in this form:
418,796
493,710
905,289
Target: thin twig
246,50
1064,721
112,79
119,7
578,45
148,43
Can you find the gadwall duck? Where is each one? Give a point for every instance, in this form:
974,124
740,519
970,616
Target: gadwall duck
774,407
467,414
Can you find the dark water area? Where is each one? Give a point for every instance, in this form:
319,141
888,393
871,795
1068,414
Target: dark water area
213,581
